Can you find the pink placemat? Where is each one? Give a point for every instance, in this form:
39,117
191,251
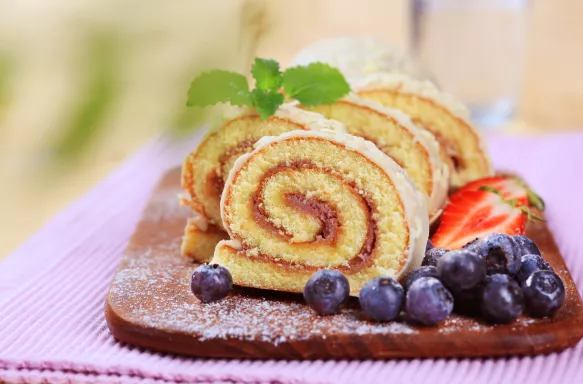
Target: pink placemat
52,327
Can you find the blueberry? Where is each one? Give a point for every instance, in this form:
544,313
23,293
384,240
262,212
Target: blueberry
500,254
544,293
502,299
429,246
432,255
382,298
473,245
461,269
530,264
326,291
428,301
425,271
525,245
211,282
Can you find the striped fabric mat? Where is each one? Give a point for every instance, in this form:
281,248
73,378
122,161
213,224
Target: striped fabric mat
52,327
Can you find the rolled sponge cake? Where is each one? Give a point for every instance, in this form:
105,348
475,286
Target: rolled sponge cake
308,200
205,170
437,112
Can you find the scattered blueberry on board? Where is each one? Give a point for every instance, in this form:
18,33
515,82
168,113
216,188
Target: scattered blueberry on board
544,293
502,299
461,270
424,271
382,298
473,245
529,264
525,245
428,301
500,253
326,291
211,282
432,256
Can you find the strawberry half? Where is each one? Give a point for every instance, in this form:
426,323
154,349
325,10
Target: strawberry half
473,214
492,204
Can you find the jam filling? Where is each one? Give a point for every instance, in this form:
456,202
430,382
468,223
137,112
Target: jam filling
320,209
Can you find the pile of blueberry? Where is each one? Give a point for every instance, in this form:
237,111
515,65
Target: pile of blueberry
497,278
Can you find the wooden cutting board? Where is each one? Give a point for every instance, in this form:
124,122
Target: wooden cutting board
150,305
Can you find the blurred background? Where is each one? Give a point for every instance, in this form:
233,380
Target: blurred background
84,83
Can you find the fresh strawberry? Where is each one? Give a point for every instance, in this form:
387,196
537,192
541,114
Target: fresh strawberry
492,204
510,188
473,214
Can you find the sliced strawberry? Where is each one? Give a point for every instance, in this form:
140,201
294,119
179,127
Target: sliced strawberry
509,187
473,214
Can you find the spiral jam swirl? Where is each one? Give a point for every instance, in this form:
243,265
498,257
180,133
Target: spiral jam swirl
205,171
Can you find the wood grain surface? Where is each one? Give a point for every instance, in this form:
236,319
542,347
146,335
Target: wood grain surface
150,305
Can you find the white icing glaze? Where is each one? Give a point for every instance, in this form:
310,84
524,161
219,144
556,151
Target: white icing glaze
312,120
226,113
440,170
413,201
408,85
358,56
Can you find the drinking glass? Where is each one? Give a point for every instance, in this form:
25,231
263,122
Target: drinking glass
475,50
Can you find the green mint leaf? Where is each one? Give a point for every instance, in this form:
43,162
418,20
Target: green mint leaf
315,84
218,86
266,74
266,102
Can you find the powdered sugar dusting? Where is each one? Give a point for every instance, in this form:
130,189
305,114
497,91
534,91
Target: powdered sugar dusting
159,297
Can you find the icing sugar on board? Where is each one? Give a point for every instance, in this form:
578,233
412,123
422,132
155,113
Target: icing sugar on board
150,305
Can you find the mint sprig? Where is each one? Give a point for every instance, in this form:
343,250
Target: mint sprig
267,75
315,84
311,85
266,102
